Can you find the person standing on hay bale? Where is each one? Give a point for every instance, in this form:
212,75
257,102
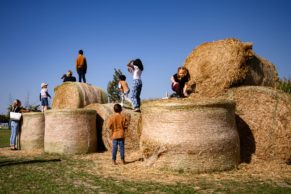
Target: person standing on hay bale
14,122
118,123
135,67
69,77
43,96
179,82
81,66
123,88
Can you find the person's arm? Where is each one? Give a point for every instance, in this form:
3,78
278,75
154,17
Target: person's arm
173,80
130,66
48,94
39,96
85,65
185,89
120,87
23,110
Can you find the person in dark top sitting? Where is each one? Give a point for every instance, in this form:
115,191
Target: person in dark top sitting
69,77
180,81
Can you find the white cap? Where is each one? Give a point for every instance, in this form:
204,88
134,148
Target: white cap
43,84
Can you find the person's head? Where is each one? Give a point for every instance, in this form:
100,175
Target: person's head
122,77
16,103
137,62
182,72
43,85
81,52
117,108
69,73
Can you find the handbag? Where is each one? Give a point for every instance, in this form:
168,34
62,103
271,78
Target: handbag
15,116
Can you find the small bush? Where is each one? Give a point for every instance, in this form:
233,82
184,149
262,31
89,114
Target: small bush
285,85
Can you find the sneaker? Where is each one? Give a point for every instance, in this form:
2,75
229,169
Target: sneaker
136,110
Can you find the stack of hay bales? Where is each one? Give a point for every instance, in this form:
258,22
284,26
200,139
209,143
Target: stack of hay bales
263,114
70,131
190,135
219,65
263,121
77,95
132,134
32,131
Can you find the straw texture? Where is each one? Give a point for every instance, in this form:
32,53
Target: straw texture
77,95
32,131
219,65
132,134
70,131
191,135
263,121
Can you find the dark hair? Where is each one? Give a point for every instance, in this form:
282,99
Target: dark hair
122,77
137,62
117,108
81,52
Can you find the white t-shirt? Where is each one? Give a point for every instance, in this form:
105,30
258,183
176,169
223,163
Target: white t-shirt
43,93
136,72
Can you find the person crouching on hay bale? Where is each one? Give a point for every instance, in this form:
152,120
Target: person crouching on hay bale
118,123
179,82
43,96
123,88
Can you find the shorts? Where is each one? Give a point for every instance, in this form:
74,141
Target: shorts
44,102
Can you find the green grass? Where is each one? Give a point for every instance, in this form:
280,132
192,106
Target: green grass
4,137
48,173
66,176
59,174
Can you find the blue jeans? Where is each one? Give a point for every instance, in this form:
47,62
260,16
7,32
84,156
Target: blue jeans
115,143
81,73
136,90
14,132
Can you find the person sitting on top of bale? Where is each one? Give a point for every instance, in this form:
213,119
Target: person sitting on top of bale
69,77
179,82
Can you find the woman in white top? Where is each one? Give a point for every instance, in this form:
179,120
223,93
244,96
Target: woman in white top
135,67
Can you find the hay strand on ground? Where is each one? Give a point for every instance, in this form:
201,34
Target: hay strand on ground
77,95
216,66
192,135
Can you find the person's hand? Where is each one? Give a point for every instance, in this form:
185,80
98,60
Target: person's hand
175,83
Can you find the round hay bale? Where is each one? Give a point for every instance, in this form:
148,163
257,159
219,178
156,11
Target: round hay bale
219,65
72,95
184,134
70,131
132,134
32,131
263,122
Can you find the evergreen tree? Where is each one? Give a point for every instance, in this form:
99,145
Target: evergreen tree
112,87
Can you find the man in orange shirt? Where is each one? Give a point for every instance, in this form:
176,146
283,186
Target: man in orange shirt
81,66
118,123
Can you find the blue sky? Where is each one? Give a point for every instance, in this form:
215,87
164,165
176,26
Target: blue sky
39,39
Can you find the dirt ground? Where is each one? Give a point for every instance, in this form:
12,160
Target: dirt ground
100,164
